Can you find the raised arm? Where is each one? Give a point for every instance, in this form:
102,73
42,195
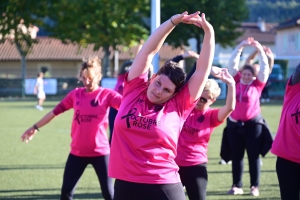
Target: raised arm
223,74
143,59
250,59
234,60
270,56
263,73
197,81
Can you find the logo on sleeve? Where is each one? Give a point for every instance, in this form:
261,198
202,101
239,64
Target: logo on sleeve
132,119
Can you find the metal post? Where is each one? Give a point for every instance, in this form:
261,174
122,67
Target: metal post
155,22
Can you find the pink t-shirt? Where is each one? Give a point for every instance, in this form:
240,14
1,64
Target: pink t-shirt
287,141
247,99
90,119
146,135
195,135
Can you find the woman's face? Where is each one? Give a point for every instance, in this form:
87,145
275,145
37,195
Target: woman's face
160,89
247,76
204,101
89,81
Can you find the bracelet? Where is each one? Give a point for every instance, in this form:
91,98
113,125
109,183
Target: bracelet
172,21
35,127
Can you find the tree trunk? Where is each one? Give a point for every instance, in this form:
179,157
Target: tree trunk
105,62
23,67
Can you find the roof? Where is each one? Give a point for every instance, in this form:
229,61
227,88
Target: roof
295,21
53,49
251,29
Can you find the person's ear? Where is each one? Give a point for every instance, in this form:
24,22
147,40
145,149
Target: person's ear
212,101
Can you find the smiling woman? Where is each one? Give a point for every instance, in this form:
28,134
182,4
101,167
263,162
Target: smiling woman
246,128
89,143
152,111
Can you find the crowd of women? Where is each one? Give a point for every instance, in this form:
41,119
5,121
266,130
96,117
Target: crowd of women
162,123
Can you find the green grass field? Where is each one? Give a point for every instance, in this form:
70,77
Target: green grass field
35,170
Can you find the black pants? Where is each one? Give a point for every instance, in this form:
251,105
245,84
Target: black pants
111,119
194,178
125,190
265,93
288,174
250,139
75,167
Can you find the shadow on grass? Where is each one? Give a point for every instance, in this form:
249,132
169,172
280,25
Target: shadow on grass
33,167
53,196
21,195
30,167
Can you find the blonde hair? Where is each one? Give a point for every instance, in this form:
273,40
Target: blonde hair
213,88
91,68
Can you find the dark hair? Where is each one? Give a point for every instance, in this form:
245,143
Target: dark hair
125,67
250,68
175,74
91,64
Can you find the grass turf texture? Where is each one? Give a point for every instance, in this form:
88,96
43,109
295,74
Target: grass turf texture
35,170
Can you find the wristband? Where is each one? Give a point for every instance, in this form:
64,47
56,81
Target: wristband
172,21
35,127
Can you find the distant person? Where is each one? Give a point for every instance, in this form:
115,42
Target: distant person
265,97
194,137
286,145
151,115
246,129
119,88
89,143
39,91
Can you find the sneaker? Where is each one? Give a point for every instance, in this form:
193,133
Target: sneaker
39,107
222,162
235,190
267,100
254,191
263,100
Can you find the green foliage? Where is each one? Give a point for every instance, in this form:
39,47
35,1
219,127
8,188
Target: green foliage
17,15
273,11
103,23
284,66
225,16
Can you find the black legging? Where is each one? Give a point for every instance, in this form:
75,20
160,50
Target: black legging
250,139
194,178
75,167
288,174
111,119
125,190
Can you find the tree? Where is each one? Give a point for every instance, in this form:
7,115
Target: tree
104,23
225,16
273,11
17,26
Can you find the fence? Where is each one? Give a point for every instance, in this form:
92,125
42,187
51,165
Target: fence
13,87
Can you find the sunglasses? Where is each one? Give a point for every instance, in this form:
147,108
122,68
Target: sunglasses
203,100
